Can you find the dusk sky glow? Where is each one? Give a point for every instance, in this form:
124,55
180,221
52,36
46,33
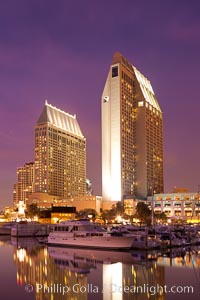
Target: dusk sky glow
61,51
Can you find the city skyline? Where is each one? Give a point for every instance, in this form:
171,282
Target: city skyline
62,53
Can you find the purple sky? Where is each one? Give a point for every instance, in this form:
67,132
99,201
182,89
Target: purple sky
61,51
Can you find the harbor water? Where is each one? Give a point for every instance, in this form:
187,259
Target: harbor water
31,270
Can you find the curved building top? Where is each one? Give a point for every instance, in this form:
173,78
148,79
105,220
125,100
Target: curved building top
60,119
144,83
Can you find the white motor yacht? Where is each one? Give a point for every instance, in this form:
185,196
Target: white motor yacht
85,234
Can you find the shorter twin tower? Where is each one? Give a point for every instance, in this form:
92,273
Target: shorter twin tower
132,134
60,154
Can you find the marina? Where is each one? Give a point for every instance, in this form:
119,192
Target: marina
82,233
85,234
38,271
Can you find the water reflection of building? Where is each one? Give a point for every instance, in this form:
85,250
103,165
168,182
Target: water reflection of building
36,267
128,281
180,258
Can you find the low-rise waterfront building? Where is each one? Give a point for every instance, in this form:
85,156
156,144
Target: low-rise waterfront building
62,213
46,201
83,202
43,200
177,205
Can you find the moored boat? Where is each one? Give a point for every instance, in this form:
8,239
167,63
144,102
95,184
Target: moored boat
5,228
34,229
144,242
85,234
141,239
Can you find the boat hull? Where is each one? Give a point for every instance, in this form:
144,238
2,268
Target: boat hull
5,229
26,230
109,242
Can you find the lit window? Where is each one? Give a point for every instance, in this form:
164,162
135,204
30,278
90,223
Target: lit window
141,103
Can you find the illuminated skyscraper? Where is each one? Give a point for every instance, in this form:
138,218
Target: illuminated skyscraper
60,154
132,134
24,185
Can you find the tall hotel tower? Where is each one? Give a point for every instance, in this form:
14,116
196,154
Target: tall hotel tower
132,134
60,154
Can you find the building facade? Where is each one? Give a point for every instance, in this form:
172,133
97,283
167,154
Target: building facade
132,134
24,185
43,200
185,206
60,154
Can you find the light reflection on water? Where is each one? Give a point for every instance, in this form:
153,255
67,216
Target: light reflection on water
36,272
